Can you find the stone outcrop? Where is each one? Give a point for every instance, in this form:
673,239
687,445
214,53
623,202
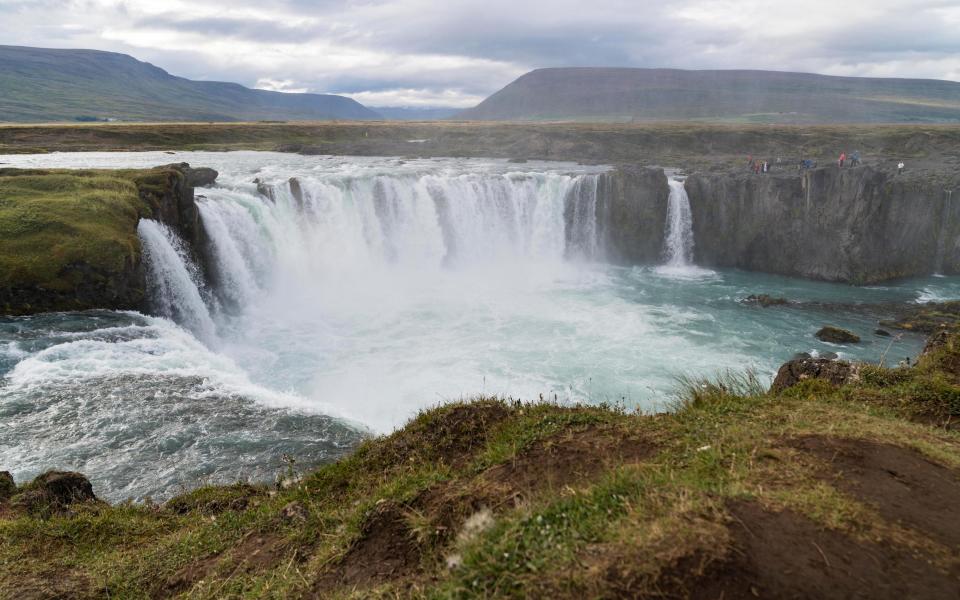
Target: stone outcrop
857,225
169,190
632,214
7,486
802,369
54,491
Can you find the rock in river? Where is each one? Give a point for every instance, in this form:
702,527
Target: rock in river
836,335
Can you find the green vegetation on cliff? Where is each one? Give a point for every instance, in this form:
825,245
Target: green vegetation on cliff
815,491
68,238
50,220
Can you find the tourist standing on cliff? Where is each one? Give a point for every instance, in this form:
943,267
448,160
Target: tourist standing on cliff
900,168
843,157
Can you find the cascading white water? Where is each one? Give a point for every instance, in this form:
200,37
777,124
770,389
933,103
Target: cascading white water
315,229
678,244
173,284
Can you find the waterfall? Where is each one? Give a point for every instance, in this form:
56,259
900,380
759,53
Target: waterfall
583,231
173,284
306,236
310,228
678,244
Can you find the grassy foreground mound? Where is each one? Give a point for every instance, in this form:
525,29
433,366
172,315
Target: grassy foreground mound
820,491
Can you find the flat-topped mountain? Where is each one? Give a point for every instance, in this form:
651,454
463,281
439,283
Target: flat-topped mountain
40,84
737,96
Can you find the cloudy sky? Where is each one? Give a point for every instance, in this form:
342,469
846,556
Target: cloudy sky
455,52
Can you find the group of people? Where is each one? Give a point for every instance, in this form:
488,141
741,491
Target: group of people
854,159
759,166
762,166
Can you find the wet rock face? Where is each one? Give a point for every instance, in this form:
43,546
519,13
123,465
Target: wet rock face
836,335
632,214
802,369
54,491
855,225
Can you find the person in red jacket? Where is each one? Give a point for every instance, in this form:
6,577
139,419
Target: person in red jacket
843,157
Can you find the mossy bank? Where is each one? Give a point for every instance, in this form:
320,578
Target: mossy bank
822,489
68,238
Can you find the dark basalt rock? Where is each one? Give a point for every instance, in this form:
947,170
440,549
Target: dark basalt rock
857,226
7,486
836,335
882,333
54,491
795,371
631,210
764,300
200,176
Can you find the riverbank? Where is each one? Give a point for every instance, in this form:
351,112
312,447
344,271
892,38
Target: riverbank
817,490
930,151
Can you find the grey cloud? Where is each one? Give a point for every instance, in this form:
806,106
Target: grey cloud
910,38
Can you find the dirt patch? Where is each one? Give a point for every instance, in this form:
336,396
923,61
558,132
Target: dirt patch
387,549
259,552
571,458
900,483
52,585
254,553
384,550
784,555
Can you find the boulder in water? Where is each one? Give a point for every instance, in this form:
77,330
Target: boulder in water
54,491
836,335
882,333
765,300
795,371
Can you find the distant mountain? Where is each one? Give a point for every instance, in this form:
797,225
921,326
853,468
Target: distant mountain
736,96
38,84
409,113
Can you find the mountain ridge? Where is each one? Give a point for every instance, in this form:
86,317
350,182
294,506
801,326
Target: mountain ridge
735,95
51,85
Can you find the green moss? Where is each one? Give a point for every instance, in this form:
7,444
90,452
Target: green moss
51,221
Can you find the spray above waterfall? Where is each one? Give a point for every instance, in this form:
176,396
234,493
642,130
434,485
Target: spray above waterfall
312,232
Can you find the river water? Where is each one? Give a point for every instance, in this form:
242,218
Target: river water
366,289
